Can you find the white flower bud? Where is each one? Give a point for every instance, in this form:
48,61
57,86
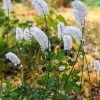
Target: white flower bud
96,65
75,32
19,34
7,5
62,68
41,37
41,7
67,42
79,18
61,28
11,56
80,7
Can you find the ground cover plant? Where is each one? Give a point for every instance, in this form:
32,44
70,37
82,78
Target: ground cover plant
33,47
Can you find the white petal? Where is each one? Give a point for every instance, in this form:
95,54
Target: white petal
27,35
41,7
61,68
96,65
41,37
19,34
67,42
79,18
61,28
80,7
11,56
75,32
7,5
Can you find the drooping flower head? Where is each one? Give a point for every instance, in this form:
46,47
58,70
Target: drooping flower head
67,42
80,7
96,65
27,34
75,32
61,28
41,7
41,37
7,5
11,56
79,18
19,34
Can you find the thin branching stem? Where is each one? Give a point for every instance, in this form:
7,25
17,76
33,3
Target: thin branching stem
73,65
84,54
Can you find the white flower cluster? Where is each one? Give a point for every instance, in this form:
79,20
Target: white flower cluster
37,33
11,56
66,33
79,12
41,7
61,68
41,37
96,65
22,35
7,5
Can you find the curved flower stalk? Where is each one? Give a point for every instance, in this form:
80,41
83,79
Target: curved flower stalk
79,18
67,42
75,32
61,28
27,35
19,34
11,56
41,7
80,7
7,5
41,37
96,65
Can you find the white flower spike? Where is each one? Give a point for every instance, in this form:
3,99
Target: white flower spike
96,65
27,35
11,56
61,28
7,5
41,7
41,37
79,19
19,34
67,42
75,32
80,7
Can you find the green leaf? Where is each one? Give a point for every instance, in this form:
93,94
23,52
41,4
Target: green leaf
69,86
64,77
13,94
8,85
70,62
60,55
76,72
51,79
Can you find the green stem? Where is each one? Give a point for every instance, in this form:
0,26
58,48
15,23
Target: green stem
48,58
84,54
73,65
8,26
1,82
88,70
